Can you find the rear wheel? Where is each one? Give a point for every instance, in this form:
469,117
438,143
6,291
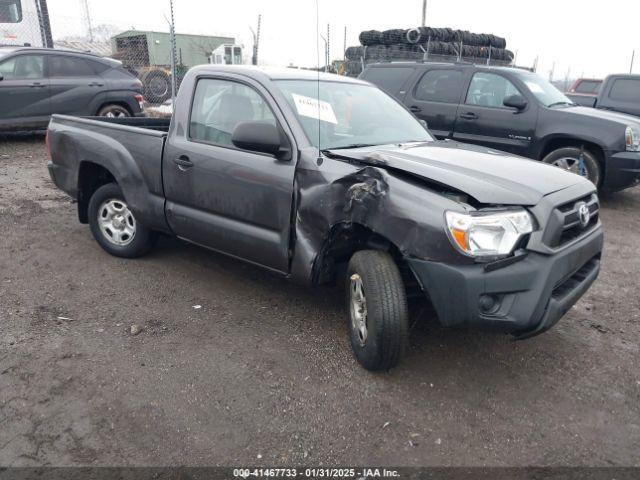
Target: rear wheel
378,313
114,226
114,111
576,160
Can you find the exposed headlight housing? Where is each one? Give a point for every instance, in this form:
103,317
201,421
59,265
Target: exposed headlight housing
488,234
632,139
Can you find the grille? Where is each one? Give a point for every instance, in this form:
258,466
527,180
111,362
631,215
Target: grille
570,228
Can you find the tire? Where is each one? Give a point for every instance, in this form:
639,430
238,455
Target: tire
114,111
157,86
563,158
114,226
380,345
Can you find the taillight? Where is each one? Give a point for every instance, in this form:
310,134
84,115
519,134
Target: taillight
140,101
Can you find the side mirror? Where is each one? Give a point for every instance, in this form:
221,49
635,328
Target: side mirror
257,137
515,101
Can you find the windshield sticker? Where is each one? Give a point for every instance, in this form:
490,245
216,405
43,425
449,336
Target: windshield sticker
310,107
534,87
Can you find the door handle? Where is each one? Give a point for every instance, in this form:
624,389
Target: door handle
183,162
37,85
415,108
96,84
469,116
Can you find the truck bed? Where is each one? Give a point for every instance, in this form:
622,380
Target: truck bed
129,149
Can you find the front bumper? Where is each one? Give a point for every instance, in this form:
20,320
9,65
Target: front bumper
529,296
622,171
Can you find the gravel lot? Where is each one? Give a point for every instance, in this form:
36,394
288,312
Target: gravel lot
262,372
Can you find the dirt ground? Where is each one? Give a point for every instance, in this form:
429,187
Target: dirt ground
262,373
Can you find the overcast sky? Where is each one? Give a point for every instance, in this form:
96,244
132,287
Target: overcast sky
589,38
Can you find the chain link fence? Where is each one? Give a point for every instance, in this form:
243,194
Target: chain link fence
151,51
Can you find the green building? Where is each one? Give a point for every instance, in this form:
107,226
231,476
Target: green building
137,48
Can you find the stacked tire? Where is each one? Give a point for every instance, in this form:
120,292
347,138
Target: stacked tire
412,44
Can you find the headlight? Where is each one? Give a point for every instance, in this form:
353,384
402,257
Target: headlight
632,139
485,234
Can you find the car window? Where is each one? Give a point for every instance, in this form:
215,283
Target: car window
22,67
440,86
60,66
588,86
389,79
626,90
10,11
220,105
489,90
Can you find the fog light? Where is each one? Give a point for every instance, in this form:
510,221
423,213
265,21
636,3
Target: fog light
488,303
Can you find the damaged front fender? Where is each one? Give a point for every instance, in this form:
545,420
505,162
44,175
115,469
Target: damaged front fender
389,204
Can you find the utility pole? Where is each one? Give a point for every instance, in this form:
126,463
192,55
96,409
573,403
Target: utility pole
344,48
328,44
87,18
552,71
256,41
633,54
424,12
172,37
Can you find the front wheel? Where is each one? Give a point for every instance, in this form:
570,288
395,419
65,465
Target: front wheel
576,160
114,226
378,313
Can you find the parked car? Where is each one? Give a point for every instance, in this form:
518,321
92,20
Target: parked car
36,82
619,93
349,186
584,91
517,111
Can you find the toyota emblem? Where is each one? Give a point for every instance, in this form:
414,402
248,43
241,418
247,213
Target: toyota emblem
584,215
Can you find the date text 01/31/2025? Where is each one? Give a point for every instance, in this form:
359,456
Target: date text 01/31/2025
315,473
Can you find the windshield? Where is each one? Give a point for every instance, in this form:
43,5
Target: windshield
544,91
350,115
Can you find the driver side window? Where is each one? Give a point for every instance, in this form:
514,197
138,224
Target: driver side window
23,67
489,90
220,105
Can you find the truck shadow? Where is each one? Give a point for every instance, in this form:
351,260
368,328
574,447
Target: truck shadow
322,310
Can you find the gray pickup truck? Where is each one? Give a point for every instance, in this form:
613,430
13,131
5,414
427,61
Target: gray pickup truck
325,178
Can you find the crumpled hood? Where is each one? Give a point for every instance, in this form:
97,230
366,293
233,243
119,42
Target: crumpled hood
487,175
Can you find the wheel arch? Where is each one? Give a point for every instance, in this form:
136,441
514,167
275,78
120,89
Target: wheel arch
343,240
91,176
554,143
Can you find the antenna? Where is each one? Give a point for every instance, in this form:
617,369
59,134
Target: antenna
319,161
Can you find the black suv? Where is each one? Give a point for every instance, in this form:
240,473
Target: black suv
36,82
516,111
